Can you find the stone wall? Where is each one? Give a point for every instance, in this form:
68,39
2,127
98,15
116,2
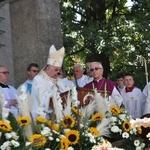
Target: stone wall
35,26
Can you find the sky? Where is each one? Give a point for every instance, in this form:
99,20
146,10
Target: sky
129,3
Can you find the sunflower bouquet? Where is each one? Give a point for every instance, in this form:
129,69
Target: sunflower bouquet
121,129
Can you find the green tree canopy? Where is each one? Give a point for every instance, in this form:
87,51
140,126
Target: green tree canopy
107,31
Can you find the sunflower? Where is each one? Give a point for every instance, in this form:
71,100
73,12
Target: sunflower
23,121
76,111
68,121
115,110
64,143
72,137
40,119
37,140
94,131
97,117
53,125
126,126
5,126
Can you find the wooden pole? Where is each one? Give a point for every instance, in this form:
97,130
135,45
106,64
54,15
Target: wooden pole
143,62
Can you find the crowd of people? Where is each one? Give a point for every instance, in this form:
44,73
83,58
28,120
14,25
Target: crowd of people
41,85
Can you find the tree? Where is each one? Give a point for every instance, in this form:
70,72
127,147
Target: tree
107,31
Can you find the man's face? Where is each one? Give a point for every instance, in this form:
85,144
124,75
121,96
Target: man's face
128,81
32,72
88,68
77,72
96,71
120,82
53,71
4,75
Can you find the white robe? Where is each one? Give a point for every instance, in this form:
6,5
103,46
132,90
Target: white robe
83,80
9,94
42,90
28,85
132,101
115,98
146,99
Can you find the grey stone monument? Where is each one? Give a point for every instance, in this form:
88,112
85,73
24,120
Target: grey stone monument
34,26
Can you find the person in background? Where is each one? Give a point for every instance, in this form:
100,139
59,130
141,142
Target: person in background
104,85
66,81
47,82
32,71
132,97
146,99
120,81
8,91
80,80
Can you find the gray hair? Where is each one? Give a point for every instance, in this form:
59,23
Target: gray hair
78,65
96,62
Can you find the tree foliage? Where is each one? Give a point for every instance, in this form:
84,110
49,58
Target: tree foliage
97,29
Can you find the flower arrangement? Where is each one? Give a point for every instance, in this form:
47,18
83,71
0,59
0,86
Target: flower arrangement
68,128
121,128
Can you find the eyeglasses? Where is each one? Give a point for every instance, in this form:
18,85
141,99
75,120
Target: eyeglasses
35,71
5,72
95,69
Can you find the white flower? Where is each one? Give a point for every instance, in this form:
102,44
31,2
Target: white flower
46,131
57,139
47,149
125,135
114,119
115,129
148,135
50,138
142,145
70,148
6,145
138,148
66,130
81,125
28,143
15,143
14,135
122,116
131,131
136,143
8,136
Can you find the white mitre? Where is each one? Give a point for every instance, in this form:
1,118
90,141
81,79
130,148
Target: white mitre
55,57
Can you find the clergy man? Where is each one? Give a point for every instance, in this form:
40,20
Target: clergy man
104,85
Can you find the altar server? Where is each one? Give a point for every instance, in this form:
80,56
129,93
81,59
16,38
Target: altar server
132,97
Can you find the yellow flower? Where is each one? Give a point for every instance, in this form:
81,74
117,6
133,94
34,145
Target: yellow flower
37,140
76,111
64,143
23,121
115,110
94,131
40,119
68,121
72,137
126,126
5,126
53,125
97,117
